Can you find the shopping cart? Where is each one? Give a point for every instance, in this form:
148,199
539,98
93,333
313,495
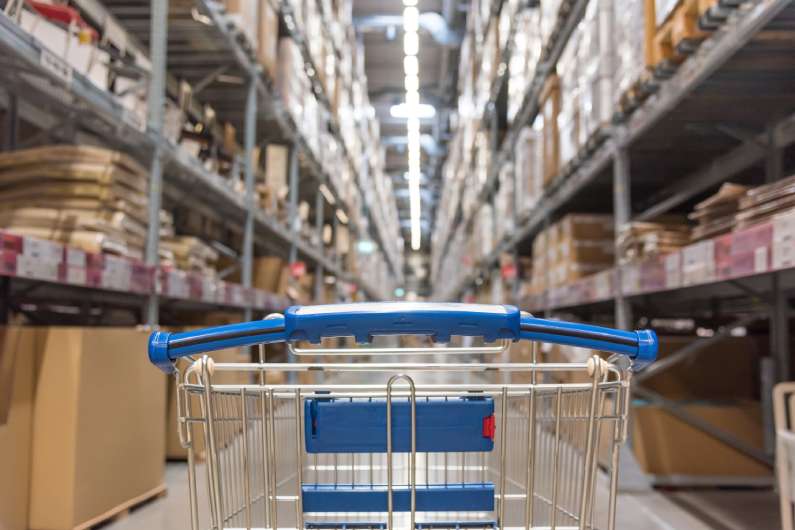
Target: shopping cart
426,443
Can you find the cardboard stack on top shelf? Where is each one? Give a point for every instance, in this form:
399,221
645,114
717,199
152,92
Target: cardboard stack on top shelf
88,197
568,115
763,202
524,57
640,240
716,214
596,63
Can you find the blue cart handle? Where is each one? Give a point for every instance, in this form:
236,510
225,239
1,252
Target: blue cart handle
365,320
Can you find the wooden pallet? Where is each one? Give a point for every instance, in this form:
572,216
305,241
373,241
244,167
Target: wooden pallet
123,510
680,35
635,95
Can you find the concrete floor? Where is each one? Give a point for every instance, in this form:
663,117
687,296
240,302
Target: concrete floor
700,509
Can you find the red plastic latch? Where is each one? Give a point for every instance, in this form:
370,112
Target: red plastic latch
489,427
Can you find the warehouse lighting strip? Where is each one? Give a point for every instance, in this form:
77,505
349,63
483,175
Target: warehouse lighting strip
411,69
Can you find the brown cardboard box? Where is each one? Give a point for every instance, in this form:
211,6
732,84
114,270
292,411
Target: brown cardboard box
268,37
550,108
666,446
17,360
98,430
586,226
276,166
267,273
695,377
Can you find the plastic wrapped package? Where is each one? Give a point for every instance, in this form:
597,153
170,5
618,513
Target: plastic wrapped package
550,108
526,52
482,159
505,203
596,64
663,9
244,15
569,115
485,228
489,62
629,26
291,81
550,11
529,168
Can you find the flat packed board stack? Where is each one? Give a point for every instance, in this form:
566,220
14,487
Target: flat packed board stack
191,254
83,196
640,240
762,203
716,214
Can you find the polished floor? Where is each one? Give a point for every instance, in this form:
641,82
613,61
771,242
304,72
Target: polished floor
699,509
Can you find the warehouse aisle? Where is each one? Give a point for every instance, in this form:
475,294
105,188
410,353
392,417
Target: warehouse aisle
686,510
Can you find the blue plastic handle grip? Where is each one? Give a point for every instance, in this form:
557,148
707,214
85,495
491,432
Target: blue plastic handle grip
365,320
640,345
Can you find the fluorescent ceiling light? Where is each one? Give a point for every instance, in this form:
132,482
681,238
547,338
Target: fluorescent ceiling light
342,217
414,207
412,98
411,66
412,124
415,112
411,19
412,83
411,43
409,2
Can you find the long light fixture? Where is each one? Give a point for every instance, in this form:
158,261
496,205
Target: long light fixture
412,111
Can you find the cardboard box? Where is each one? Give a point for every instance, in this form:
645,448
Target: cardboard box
695,377
586,226
268,37
666,446
98,429
17,359
550,108
277,163
268,273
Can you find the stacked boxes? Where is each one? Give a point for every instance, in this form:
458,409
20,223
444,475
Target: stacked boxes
577,246
86,197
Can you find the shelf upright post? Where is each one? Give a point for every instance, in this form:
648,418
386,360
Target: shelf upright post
249,141
158,27
319,206
293,202
12,124
622,214
779,317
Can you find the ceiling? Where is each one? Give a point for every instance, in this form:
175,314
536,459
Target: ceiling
379,28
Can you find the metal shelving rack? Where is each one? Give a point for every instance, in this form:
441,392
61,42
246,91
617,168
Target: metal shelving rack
254,106
726,112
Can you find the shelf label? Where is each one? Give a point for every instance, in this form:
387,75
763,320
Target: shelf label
37,268
56,66
76,275
116,273
760,259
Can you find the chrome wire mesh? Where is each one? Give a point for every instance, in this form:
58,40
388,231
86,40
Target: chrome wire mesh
556,441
